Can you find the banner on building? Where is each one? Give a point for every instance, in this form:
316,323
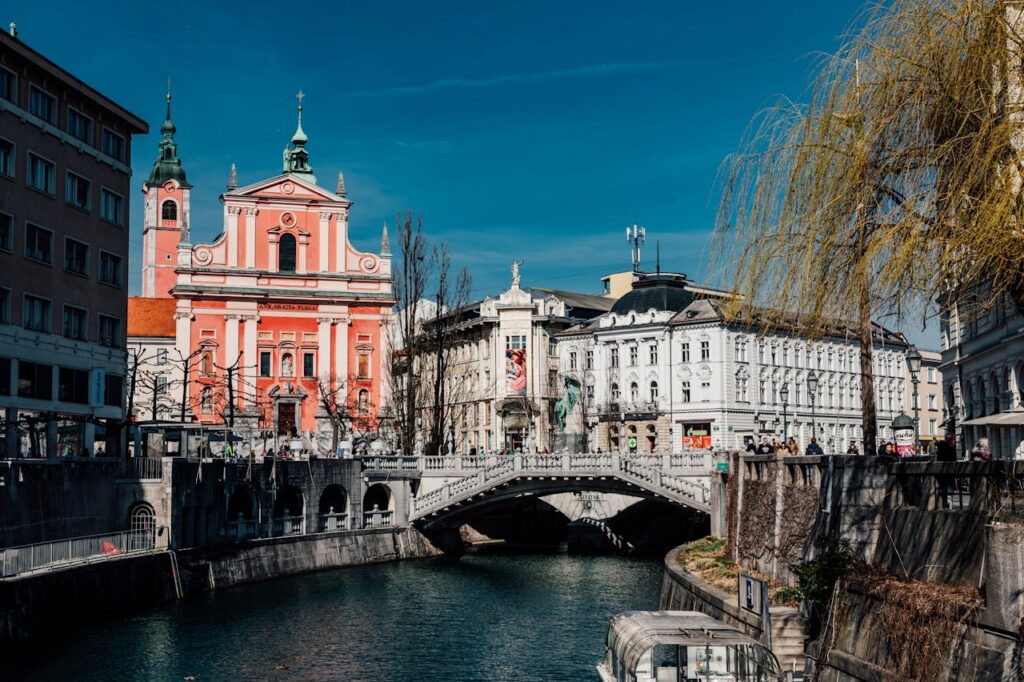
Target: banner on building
515,371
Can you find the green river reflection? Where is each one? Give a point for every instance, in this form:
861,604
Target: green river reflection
479,617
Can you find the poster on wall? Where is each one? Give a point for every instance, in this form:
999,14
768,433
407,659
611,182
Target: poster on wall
515,371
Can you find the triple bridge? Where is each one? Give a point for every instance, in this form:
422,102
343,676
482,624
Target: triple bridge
472,483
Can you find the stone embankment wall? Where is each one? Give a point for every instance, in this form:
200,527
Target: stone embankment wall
893,514
34,606
53,499
205,569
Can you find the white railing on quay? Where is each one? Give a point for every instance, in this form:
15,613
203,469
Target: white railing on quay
243,529
56,554
143,468
287,525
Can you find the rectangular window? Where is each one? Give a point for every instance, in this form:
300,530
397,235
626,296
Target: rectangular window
8,85
78,191
6,158
515,343
265,363
73,385
111,207
79,126
686,352
613,357
113,144
35,314
6,232
705,391
932,427
590,359
110,269
109,331
684,394
572,360
42,174
931,375
206,364
552,346
590,394
161,356
653,353
76,256
5,305
35,380
363,365
42,104
633,355
113,394
76,323
552,379
5,376
932,402
161,384
38,244
308,365
705,351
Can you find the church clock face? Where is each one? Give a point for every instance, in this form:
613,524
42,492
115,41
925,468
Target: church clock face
288,220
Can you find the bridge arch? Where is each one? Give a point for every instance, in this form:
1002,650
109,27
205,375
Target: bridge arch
378,506
242,505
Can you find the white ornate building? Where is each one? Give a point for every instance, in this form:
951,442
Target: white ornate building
983,374
664,368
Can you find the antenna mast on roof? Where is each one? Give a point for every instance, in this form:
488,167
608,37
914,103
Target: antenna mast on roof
637,235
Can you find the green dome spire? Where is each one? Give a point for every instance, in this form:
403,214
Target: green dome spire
296,157
167,165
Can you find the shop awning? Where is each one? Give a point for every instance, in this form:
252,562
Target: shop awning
1004,419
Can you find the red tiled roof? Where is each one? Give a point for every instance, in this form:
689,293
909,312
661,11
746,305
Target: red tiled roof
151,316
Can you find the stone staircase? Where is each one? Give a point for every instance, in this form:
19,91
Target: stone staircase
788,635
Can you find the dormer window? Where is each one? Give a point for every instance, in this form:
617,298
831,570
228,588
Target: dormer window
286,257
169,211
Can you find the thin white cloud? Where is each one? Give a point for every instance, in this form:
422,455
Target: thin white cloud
511,78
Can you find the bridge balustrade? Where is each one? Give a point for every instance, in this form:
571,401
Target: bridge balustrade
243,529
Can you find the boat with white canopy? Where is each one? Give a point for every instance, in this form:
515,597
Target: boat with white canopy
682,646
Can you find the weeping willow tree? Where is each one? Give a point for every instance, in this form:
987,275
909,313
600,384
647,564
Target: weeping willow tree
896,184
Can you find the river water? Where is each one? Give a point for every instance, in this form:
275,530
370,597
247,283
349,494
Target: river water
478,617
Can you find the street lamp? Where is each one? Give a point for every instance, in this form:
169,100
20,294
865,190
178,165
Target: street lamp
784,394
812,388
622,433
914,365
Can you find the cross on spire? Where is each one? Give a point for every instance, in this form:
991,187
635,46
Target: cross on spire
299,97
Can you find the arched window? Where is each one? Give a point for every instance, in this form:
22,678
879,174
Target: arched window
654,391
286,253
142,526
615,391
634,392
168,210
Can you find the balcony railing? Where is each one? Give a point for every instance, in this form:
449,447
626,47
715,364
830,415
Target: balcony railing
287,525
142,468
333,521
378,519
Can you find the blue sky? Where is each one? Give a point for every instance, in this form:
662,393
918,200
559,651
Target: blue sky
518,129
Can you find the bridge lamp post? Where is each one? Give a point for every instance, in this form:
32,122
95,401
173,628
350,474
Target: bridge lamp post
914,365
784,394
622,433
812,387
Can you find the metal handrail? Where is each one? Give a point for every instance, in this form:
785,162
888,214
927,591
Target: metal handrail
56,554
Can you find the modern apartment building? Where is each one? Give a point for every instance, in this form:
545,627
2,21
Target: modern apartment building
64,197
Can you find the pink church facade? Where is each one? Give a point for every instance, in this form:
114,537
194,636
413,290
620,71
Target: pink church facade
279,305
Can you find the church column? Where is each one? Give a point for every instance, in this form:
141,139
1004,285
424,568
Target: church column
272,242
232,236
250,360
323,356
341,348
325,241
250,237
231,350
300,261
341,238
